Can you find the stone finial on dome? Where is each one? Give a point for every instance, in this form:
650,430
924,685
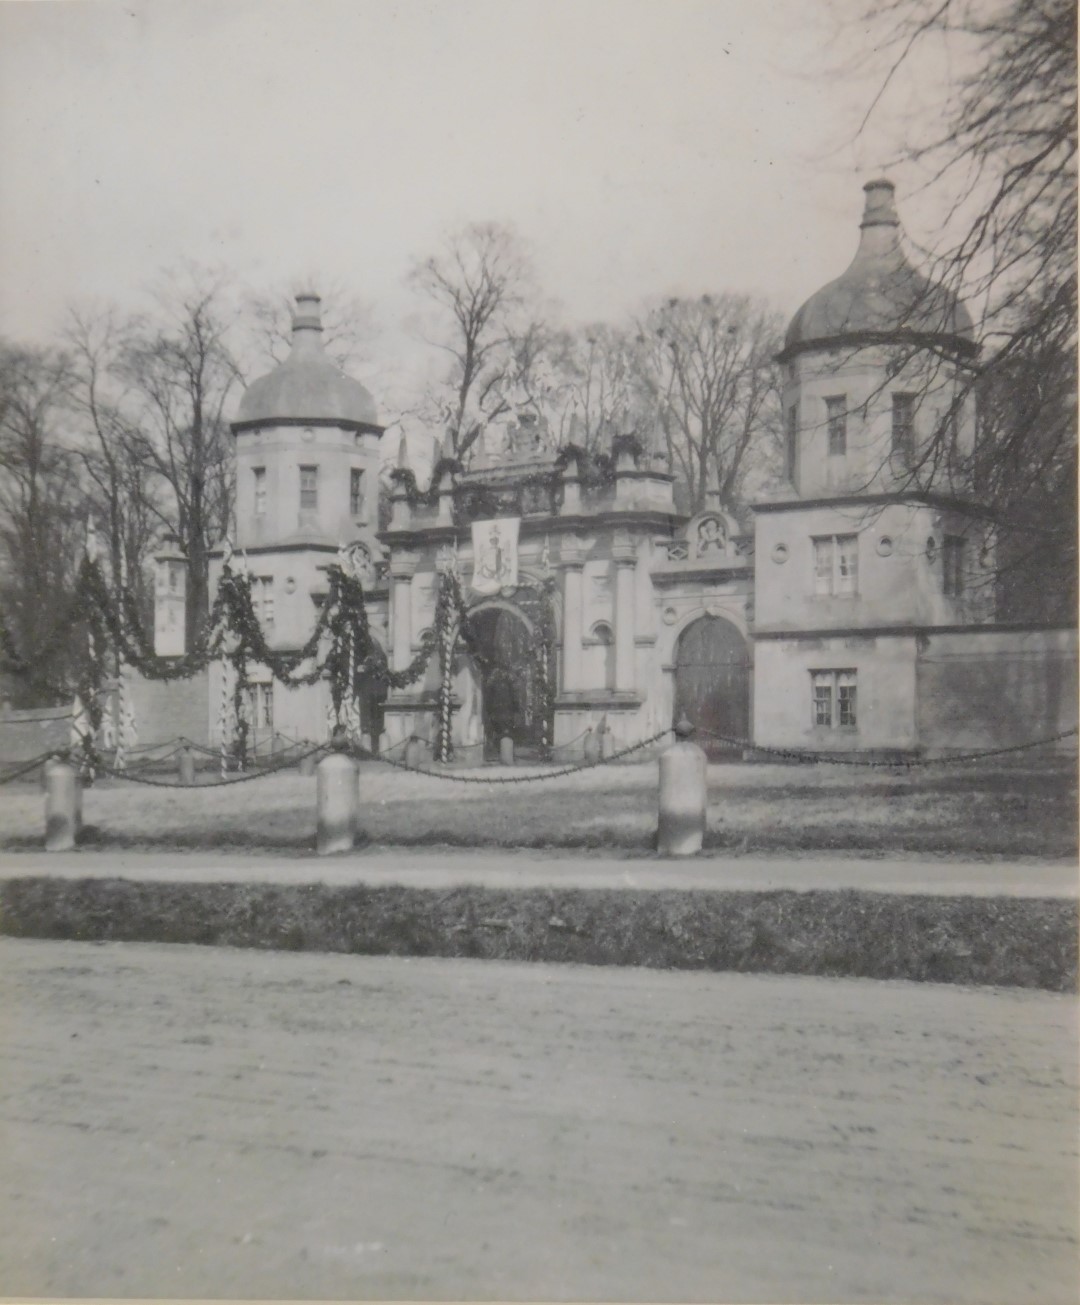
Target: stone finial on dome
880,297
880,207
308,313
308,385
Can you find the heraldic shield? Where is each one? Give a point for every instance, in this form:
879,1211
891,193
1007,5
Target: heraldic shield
495,555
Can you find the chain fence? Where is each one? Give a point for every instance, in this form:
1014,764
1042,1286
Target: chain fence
297,752
808,757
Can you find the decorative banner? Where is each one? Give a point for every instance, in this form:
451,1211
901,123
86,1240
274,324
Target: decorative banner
495,555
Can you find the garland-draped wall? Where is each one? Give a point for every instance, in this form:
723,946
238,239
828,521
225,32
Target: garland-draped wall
108,634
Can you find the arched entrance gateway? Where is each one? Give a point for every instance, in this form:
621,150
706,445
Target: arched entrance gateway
502,646
712,681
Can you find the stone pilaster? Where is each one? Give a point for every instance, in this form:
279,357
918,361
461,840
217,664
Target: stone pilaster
572,566
402,567
625,556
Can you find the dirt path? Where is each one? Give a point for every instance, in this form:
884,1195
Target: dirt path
194,1122
438,868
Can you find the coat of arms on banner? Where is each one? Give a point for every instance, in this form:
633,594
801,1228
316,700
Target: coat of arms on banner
495,555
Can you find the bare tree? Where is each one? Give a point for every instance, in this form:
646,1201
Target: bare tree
180,372
42,521
996,148
707,368
124,500
480,284
591,387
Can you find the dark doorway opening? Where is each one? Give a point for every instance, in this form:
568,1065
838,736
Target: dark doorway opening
503,650
712,683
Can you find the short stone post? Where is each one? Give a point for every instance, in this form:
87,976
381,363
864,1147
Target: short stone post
186,766
683,795
607,742
307,764
592,746
506,751
414,751
63,814
337,801
365,742
46,767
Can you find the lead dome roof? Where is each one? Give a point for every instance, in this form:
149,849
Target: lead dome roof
880,296
308,385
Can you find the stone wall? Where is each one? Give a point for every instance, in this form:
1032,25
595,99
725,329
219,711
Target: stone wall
994,688
165,711
28,733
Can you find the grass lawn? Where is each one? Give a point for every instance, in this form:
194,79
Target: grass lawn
989,811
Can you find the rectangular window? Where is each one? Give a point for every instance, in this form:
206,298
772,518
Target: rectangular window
309,489
952,558
262,601
836,410
260,491
356,492
836,564
833,699
791,452
903,427
261,706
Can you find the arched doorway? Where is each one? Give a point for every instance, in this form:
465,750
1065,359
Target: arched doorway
712,681
502,648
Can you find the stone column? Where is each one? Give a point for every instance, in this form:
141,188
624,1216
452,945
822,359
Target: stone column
625,556
401,572
571,664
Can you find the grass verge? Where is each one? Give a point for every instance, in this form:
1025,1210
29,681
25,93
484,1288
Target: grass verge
986,812
1022,942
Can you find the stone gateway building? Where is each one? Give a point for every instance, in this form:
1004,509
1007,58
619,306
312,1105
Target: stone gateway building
857,615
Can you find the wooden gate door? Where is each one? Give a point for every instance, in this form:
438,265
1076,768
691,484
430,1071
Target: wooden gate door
712,681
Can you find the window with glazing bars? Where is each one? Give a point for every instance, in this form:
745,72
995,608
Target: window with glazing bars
836,418
792,443
262,600
952,562
903,426
834,701
836,564
309,489
261,705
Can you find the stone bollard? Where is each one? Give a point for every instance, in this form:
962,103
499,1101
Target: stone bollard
506,751
186,766
307,764
607,743
63,808
681,828
365,742
592,747
414,751
337,799
46,767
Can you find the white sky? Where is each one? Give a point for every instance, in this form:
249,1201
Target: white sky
640,146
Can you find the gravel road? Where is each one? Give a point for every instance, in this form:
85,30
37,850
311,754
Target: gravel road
197,1122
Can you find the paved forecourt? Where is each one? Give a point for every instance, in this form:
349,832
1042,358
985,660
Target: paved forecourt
440,869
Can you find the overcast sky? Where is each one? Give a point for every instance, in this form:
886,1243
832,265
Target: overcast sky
640,146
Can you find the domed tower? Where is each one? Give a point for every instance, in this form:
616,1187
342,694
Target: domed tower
877,371
307,484
307,448
876,537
